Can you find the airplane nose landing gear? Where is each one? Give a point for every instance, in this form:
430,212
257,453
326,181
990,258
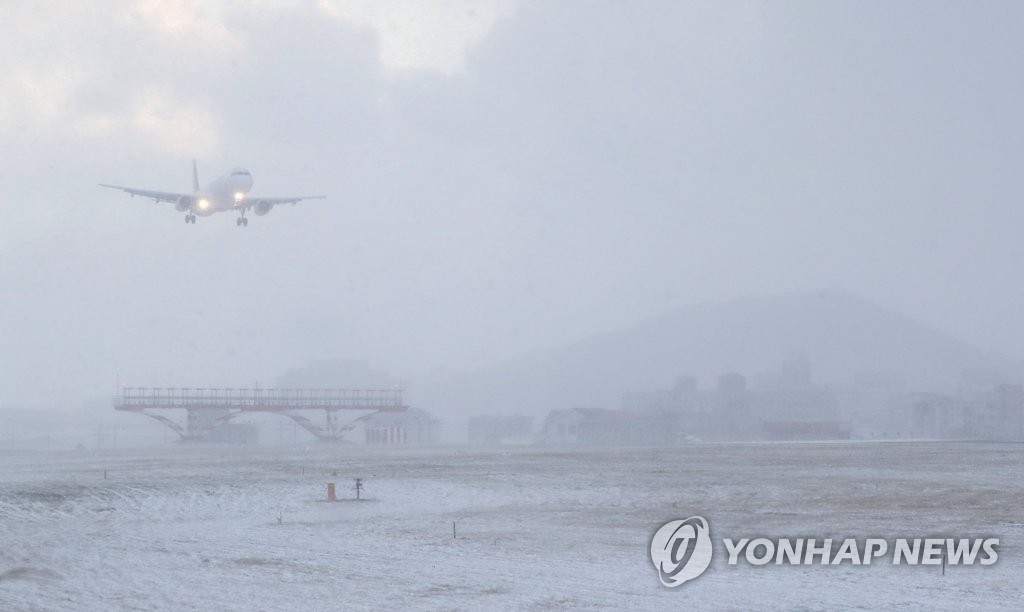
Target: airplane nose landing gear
190,218
242,221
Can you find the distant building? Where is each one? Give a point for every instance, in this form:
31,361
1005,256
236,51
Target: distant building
234,433
599,426
788,406
996,413
976,412
791,406
806,430
491,430
1008,413
410,427
214,425
934,416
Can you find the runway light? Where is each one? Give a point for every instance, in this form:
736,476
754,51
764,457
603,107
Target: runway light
204,204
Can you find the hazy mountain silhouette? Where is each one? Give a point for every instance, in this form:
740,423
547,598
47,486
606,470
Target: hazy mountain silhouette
843,336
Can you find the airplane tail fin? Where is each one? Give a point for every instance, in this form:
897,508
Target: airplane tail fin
195,177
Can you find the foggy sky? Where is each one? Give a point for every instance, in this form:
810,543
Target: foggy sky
500,177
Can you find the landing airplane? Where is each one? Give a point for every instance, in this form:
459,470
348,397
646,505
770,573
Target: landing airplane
228,192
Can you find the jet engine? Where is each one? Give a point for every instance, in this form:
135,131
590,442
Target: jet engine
262,207
184,203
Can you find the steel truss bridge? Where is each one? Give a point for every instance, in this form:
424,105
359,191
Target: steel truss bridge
207,409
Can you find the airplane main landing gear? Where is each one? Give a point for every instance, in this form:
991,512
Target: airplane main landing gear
190,218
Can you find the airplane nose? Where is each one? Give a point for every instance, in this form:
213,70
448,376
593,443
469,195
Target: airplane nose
242,184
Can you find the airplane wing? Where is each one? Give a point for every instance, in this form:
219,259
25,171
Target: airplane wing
251,200
156,196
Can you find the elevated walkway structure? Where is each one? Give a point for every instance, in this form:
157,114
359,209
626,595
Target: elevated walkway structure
207,409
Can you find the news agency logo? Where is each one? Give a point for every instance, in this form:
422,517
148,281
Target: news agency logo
852,551
681,550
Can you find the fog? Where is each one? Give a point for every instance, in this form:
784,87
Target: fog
582,269
502,177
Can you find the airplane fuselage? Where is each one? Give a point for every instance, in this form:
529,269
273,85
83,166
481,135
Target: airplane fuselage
226,192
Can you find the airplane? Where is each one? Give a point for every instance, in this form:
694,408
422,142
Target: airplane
228,192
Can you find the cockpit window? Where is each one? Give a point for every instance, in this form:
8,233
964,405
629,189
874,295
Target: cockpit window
240,173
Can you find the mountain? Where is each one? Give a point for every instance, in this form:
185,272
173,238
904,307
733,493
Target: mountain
844,337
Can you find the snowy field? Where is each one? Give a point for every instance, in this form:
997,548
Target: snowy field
181,528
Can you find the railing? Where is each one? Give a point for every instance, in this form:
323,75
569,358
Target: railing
138,398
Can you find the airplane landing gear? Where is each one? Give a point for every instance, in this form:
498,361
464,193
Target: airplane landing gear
190,218
241,222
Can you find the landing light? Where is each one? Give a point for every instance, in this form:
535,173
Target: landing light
238,196
204,204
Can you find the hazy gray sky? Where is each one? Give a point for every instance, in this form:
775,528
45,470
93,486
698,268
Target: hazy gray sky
501,176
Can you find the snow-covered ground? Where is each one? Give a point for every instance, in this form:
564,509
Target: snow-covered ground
180,528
